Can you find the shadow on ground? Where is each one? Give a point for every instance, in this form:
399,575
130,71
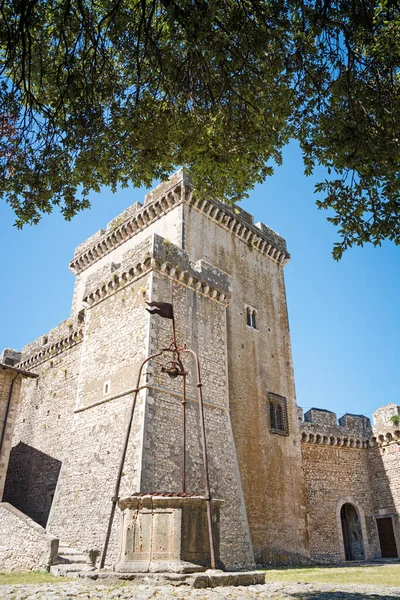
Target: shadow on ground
321,595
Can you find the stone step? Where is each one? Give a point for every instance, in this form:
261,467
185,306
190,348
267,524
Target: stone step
76,560
65,570
70,558
66,551
76,556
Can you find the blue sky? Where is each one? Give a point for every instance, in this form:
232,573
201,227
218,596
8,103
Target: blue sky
344,317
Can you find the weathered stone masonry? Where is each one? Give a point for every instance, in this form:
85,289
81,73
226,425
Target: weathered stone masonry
10,387
283,482
351,463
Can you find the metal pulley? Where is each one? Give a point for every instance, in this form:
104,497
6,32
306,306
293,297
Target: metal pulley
172,370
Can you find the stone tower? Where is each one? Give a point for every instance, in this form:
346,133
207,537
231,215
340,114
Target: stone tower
226,277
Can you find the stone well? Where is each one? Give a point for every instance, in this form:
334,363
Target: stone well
166,533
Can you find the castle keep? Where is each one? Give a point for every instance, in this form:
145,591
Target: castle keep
294,488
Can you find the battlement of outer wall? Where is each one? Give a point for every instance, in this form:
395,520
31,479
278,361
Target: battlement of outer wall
321,427
10,357
46,347
164,198
386,416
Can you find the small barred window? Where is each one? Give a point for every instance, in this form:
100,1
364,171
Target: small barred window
277,413
251,317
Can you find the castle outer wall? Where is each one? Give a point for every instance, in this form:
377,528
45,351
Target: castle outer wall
351,463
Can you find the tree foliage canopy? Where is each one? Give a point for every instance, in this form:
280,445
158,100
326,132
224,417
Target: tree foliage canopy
109,92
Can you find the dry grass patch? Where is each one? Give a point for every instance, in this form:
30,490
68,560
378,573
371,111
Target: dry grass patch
368,575
29,578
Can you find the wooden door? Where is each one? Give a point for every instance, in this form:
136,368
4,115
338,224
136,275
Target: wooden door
386,538
352,534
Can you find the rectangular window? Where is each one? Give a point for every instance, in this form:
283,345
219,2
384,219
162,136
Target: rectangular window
277,414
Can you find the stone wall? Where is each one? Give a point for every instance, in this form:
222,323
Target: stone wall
82,503
10,357
259,363
43,422
201,324
117,268
384,459
114,344
336,472
24,545
118,335
352,463
10,389
170,226
7,421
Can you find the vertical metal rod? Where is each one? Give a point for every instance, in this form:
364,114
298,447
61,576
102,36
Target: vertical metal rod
205,459
122,461
173,317
181,367
174,332
184,432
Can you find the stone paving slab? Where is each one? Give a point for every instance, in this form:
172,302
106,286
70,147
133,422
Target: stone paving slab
76,590
210,578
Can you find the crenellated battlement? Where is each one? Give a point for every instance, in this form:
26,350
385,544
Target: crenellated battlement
386,428
154,253
158,254
322,427
106,241
165,197
10,357
63,337
386,418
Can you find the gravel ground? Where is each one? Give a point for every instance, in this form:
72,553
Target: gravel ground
274,591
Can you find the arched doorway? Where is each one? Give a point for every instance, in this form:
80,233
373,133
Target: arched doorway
352,535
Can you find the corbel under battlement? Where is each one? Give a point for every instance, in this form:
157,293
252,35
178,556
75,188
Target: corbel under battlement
63,337
154,254
165,197
257,236
386,428
321,427
385,439
158,254
118,233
